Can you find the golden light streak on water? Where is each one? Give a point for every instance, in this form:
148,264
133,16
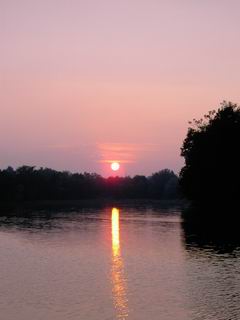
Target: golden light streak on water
118,280
115,232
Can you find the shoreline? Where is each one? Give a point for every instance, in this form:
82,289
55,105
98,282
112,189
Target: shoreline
88,203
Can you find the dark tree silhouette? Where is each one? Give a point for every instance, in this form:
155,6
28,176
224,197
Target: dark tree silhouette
30,184
163,184
211,174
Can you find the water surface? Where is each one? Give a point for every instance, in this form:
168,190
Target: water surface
114,263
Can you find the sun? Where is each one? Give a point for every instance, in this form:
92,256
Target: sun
115,166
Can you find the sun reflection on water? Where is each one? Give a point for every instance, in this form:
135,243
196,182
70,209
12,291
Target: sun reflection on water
118,280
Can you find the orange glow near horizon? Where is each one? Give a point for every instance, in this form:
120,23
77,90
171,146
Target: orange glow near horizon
118,280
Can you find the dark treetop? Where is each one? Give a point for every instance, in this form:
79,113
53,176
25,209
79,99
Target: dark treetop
211,174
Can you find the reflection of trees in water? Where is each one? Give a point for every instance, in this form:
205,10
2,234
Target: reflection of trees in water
213,266
58,218
24,222
204,228
38,221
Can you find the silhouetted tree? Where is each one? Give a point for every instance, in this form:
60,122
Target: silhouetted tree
163,184
211,174
27,183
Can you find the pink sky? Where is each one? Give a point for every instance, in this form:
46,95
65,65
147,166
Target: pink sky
85,81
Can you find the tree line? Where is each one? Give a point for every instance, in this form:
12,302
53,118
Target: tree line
28,183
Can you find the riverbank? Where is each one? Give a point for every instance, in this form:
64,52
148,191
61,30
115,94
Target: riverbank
89,203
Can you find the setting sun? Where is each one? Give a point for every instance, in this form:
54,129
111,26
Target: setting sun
115,166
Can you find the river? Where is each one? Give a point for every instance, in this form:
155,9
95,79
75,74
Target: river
111,263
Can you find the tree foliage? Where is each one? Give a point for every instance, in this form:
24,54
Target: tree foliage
212,157
27,183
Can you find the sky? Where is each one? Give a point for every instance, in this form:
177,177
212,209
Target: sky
84,83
